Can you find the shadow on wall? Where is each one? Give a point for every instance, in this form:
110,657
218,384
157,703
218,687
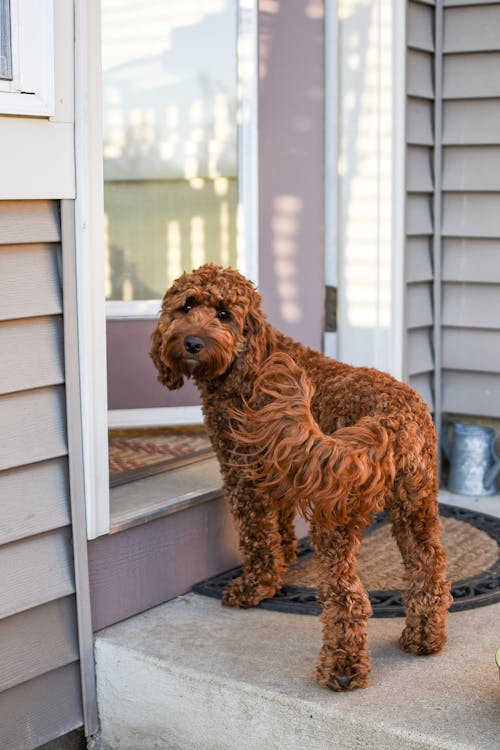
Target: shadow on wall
291,167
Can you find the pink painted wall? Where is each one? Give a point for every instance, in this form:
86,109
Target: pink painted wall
132,381
291,163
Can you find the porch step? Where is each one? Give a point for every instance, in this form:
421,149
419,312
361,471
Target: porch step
192,675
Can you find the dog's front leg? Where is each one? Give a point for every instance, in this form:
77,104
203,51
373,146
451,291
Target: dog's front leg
264,562
344,662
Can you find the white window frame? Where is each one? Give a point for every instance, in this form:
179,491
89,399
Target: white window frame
31,90
89,227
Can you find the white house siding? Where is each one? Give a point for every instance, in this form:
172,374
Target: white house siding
419,267
452,254
470,224
44,610
40,691
37,610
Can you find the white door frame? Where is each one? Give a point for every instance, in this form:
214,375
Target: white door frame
365,179
89,233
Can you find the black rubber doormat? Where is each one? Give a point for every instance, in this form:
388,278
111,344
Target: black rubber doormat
472,540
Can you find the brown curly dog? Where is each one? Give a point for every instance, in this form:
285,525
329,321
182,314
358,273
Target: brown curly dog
293,429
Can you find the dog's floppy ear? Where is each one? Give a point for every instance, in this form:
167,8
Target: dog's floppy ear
166,375
257,338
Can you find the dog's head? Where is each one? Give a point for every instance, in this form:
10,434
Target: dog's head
210,318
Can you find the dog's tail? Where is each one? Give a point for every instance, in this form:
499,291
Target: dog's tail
330,477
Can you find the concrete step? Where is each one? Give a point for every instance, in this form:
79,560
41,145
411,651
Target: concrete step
192,675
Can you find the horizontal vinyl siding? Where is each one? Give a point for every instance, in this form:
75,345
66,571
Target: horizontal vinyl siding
36,427
418,259
34,499
20,654
471,215
471,260
471,168
463,347
471,121
419,129
419,272
419,169
419,305
472,29
29,283
471,305
420,351
32,353
420,22
420,74
423,385
471,209
482,400
24,222
40,709
40,695
457,3
419,215
35,570
472,76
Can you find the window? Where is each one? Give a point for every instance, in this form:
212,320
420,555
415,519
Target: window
5,43
170,136
27,57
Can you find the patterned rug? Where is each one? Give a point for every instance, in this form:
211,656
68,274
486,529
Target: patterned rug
136,454
471,539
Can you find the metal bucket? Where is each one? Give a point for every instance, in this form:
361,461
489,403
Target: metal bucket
474,464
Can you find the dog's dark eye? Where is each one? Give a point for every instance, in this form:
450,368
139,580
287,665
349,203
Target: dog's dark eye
223,315
188,305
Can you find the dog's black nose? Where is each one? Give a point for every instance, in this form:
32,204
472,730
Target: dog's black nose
193,345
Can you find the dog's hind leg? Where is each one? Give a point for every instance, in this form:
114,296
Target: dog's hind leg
286,517
416,527
344,662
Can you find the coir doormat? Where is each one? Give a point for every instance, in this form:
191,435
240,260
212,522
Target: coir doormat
471,539
136,454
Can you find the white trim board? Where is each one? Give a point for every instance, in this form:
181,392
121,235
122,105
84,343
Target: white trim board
168,416
134,309
398,185
248,143
89,239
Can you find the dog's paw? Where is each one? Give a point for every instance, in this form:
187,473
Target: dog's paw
341,682
426,638
340,672
240,593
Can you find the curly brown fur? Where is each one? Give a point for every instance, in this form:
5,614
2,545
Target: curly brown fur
294,430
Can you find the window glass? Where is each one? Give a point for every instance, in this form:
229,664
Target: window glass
5,43
170,140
